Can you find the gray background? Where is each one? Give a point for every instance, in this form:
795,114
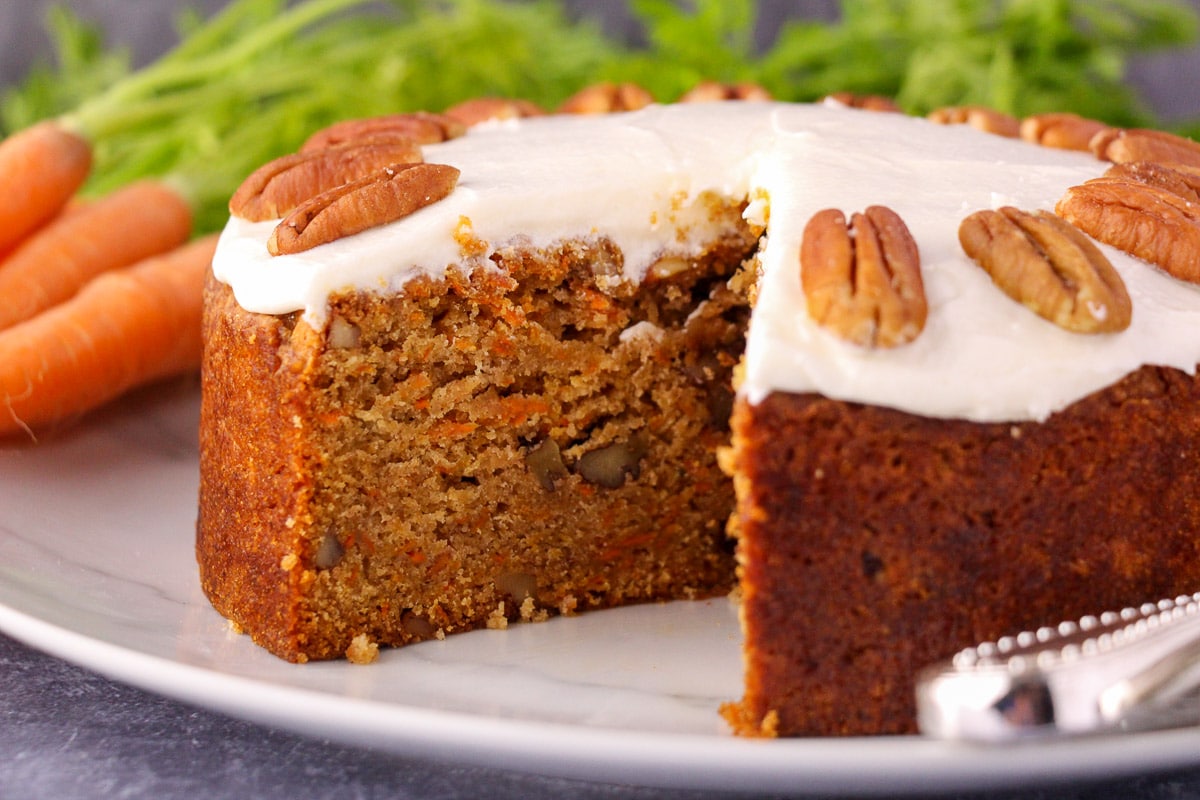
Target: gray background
67,733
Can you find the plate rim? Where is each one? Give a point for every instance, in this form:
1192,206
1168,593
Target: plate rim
667,760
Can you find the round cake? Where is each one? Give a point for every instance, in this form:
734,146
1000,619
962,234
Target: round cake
904,385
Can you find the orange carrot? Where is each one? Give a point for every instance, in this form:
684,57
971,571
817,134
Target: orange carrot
126,328
41,167
137,221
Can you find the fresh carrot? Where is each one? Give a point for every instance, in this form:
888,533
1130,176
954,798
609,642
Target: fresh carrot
135,222
124,329
42,168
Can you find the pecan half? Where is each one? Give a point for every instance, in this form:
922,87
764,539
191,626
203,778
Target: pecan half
981,118
605,98
278,186
863,280
1120,145
386,196
1048,266
420,126
1178,179
1145,216
482,109
1061,130
713,91
867,102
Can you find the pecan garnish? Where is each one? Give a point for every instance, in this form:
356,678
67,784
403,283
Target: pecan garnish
1177,178
1061,130
1121,145
867,102
988,120
1051,268
1149,211
605,98
419,126
483,109
863,280
278,186
714,91
386,196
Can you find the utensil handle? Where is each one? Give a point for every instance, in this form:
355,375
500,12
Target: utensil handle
1135,669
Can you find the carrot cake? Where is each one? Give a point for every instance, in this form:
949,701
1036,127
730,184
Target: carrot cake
495,380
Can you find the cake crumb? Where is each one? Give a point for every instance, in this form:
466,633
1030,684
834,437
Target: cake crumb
289,562
234,628
568,605
362,650
497,621
468,241
640,329
725,460
531,613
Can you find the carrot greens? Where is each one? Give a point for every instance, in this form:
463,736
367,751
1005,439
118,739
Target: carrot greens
1018,56
254,80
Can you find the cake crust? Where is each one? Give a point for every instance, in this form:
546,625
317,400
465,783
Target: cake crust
243,534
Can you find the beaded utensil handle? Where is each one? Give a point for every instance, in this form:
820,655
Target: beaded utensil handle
1135,669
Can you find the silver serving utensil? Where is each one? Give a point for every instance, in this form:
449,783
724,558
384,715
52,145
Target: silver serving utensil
1136,669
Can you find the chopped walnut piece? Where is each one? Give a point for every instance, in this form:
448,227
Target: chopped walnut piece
610,465
546,465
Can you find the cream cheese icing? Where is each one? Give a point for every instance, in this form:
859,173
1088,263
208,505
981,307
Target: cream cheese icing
639,178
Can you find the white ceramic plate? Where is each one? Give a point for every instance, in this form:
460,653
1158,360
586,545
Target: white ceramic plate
96,567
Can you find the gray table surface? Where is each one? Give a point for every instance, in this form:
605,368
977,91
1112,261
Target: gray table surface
67,733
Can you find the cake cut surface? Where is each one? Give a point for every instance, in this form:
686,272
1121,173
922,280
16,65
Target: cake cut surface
515,402
478,449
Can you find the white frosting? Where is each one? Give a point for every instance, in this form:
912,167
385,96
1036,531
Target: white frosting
634,178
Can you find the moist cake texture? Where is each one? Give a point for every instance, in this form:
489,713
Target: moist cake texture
473,450
515,402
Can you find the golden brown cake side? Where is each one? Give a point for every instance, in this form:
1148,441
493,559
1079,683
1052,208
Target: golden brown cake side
874,542
530,439
251,472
